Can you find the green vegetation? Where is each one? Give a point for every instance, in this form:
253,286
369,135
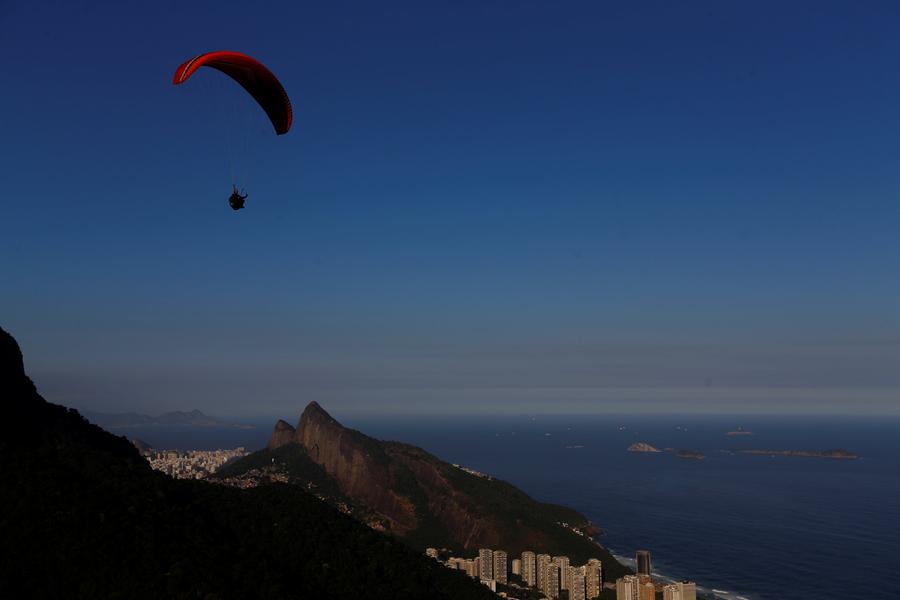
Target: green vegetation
502,503
295,462
430,531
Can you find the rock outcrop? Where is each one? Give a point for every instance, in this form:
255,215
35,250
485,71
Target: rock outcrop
642,447
281,435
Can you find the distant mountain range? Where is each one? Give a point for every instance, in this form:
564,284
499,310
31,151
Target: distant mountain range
82,515
412,494
177,418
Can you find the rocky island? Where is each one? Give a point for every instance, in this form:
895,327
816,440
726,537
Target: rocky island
690,454
642,447
645,447
839,454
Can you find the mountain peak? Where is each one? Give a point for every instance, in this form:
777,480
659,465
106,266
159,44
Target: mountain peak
282,435
314,417
11,365
314,410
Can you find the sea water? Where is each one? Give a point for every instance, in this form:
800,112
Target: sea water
758,527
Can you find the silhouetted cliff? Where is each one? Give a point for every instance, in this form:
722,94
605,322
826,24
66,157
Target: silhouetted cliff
82,515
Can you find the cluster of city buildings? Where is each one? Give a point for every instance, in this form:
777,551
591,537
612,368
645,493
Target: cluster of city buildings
554,574
258,476
549,574
193,464
642,587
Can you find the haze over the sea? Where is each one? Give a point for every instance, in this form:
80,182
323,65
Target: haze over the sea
482,207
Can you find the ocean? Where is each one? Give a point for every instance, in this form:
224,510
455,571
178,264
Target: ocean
743,526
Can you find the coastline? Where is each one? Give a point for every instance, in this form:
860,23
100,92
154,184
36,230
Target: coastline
704,592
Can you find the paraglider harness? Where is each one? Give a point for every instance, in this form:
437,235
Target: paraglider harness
236,200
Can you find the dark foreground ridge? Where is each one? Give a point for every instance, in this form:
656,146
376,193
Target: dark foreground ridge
416,496
82,515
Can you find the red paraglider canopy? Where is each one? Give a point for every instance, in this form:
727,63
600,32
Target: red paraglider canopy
253,77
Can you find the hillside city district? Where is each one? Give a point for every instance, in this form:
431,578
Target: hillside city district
550,575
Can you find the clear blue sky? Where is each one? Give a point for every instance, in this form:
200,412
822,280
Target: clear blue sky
483,206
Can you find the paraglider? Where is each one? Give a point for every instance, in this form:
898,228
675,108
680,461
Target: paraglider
257,80
236,200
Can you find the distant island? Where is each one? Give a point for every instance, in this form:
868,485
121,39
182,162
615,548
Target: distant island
645,447
839,454
690,454
177,418
642,447
739,431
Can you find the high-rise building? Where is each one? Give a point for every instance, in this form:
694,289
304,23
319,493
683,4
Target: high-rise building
551,580
671,592
563,563
515,566
542,560
486,556
471,567
628,588
593,578
529,568
500,566
648,590
643,562
683,590
577,584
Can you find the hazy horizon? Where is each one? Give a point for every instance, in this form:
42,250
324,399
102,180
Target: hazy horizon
707,401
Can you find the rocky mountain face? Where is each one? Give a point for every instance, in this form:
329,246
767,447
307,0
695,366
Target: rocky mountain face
430,502
82,515
363,470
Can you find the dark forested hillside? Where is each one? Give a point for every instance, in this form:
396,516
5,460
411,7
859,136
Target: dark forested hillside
83,516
